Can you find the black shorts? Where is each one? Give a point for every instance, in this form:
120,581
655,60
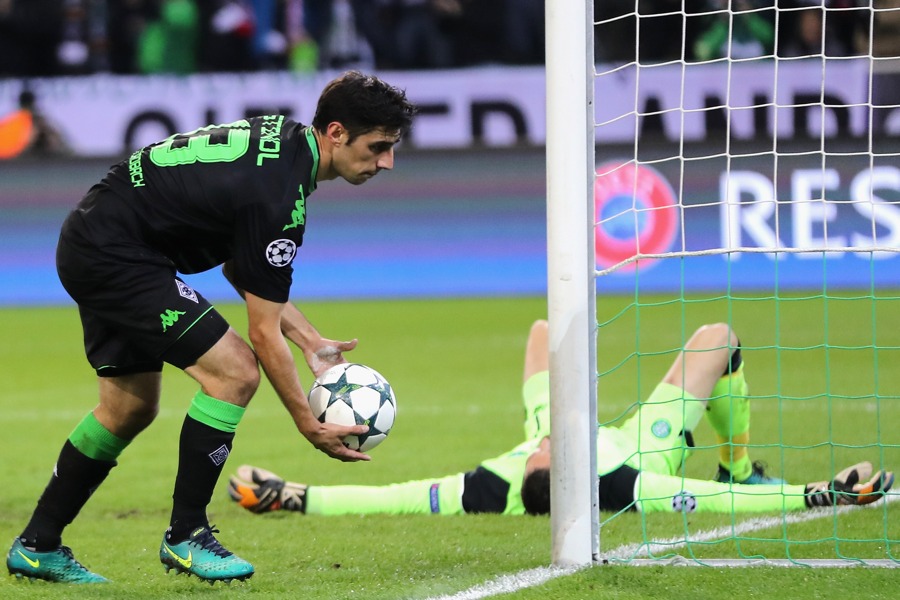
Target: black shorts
135,311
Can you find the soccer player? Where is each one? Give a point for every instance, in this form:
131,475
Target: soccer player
638,463
232,195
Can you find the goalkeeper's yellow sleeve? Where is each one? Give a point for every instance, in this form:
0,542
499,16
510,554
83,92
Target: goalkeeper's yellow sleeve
536,398
427,496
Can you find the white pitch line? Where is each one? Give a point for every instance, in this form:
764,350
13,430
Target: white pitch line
624,553
506,584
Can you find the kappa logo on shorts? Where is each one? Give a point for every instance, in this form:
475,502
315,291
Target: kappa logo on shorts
220,455
661,428
281,252
170,317
185,291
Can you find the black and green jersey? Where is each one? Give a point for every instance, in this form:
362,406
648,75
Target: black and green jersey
223,192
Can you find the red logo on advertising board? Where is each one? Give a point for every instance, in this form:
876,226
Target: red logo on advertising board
636,213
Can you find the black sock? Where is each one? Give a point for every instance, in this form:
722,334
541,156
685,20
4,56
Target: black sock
201,458
75,477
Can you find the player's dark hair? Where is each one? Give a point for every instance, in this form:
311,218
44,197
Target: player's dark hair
536,492
363,103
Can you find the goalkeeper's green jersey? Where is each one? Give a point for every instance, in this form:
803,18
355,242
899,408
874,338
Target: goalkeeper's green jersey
637,467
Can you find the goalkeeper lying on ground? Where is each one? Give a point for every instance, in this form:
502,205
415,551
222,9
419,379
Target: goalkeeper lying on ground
639,463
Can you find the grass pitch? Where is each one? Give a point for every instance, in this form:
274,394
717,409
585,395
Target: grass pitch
456,368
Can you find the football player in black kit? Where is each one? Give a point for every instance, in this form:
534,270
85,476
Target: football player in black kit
231,195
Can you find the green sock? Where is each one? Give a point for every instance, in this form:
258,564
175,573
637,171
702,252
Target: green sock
728,412
216,413
95,441
206,440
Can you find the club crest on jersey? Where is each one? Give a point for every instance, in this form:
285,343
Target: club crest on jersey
185,291
281,252
661,428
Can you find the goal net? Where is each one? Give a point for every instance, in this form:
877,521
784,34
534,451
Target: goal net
744,169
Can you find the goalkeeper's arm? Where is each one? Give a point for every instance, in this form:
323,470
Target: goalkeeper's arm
856,485
260,491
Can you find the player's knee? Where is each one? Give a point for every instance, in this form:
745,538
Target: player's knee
126,420
245,378
144,414
714,335
228,372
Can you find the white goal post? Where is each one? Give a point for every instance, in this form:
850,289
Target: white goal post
571,290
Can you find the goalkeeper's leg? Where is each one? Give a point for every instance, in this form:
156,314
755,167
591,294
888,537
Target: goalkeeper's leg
728,412
855,485
259,490
668,493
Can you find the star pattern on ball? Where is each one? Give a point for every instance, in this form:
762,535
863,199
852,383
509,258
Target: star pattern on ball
340,389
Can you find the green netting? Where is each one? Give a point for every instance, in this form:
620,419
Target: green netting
824,393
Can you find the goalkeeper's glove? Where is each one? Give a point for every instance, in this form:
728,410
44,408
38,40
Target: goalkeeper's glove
259,491
854,485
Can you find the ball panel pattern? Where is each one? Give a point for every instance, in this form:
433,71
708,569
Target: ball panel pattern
354,394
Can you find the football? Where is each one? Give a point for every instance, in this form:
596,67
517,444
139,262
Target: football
354,394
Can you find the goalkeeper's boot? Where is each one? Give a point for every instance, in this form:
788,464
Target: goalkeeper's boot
758,476
259,491
202,555
854,485
57,565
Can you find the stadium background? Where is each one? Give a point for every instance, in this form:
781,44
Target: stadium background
471,223
460,221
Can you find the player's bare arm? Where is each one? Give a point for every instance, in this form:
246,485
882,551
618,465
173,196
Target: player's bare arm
320,353
278,363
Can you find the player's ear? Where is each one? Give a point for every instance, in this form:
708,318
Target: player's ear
336,132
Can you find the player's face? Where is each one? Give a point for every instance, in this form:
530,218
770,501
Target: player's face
362,159
540,458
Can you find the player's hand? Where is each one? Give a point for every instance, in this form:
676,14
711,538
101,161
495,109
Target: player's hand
329,438
856,485
256,489
259,491
327,353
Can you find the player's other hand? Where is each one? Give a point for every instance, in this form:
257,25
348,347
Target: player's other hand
329,438
256,489
327,353
855,485
259,491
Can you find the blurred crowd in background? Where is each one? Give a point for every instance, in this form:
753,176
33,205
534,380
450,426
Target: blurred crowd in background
55,37
70,37
699,30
